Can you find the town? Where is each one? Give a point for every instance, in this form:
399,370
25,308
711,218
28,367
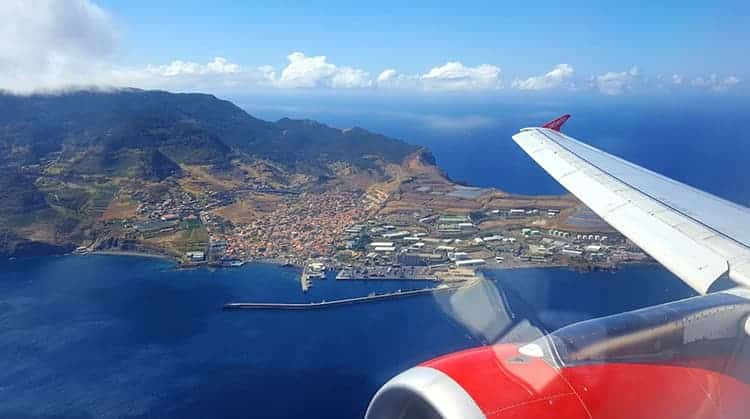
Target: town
424,227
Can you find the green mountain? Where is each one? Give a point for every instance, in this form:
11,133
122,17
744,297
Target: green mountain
149,133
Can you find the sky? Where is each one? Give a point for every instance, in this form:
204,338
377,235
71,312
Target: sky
402,48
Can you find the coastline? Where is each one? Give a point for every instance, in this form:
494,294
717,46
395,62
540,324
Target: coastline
284,264
581,269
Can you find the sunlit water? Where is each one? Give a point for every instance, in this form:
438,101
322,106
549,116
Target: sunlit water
109,336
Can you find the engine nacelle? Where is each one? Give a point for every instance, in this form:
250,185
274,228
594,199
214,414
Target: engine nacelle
687,359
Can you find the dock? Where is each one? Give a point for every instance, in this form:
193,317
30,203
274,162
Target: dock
305,281
346,301
312,270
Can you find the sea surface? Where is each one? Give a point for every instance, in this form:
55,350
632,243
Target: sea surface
128,337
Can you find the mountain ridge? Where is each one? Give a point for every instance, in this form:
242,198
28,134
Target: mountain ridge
138,118
65,157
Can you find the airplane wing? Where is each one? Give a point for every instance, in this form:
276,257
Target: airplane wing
697,236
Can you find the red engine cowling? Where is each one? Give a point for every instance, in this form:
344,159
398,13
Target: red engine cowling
688,359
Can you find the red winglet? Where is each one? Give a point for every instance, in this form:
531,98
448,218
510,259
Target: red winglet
557,123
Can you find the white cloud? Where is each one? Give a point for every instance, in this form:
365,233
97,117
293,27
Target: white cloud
391,79
612,83
714,83
348,77
700,81
304,71
219,65
731,81
387,75
316,71
46,42
267,73
218,75
453,75
664,81
553,79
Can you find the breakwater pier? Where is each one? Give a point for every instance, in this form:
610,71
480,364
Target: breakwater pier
347,301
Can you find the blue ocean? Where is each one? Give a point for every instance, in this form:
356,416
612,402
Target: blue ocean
129,337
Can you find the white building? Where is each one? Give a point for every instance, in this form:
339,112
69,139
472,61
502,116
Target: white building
396,235
496,237
195,256
572,252
381,244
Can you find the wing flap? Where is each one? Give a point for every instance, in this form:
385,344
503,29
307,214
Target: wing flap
651,210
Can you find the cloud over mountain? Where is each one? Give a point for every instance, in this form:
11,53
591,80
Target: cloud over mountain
45,41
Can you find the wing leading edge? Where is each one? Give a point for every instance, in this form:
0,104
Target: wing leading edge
697,236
